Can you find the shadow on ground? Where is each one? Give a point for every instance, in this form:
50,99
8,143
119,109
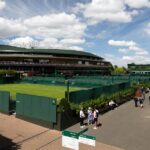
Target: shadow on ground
7,144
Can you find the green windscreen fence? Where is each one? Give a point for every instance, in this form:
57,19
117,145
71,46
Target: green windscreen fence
4,101
87,81
7,80
83,95
36,107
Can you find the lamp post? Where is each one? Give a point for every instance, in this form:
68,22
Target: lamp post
67,83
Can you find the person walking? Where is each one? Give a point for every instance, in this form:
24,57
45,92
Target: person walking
138,95
96,113
82,116
136,101
143,93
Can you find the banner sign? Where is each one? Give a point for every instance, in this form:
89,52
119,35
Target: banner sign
70,140
87,139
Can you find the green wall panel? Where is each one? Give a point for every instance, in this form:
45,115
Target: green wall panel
4,101
36,107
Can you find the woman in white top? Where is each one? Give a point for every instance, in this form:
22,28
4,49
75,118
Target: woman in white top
82,116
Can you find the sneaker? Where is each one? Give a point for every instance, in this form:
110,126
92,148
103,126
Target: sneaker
81,126
95,128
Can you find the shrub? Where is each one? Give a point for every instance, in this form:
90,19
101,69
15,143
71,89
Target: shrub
63,105
103,100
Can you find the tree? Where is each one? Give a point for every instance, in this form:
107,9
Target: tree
119,70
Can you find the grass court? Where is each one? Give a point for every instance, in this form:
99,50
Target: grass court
36,89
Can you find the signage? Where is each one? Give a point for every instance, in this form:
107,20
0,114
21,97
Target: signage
87,139
70,140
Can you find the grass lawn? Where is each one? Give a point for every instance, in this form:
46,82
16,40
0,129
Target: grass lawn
36,89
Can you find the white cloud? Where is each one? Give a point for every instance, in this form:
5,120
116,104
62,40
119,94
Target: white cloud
29,42
26,42
135,48
58,30
59,44
56,26
51,20
103,34
115,60
106,10
11,27
121,43
2,4
134,12
136,59
131,53
123,50
53,25
48,43
142,53
131,47
127,59
72,41
137,3
76,48
119,11
147,30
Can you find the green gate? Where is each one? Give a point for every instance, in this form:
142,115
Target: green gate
36,107
4,102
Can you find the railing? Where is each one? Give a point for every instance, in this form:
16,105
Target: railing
12,63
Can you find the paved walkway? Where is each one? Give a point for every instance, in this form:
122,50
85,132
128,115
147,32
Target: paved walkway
127,127
16,134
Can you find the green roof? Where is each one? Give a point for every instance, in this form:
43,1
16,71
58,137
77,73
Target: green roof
12,49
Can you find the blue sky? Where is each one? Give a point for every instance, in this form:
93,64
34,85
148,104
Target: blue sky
118,30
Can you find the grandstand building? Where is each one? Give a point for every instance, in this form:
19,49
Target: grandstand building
52,61
140,69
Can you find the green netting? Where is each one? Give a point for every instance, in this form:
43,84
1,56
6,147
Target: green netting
6,80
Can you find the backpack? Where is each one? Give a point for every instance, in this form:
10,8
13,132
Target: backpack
97,113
